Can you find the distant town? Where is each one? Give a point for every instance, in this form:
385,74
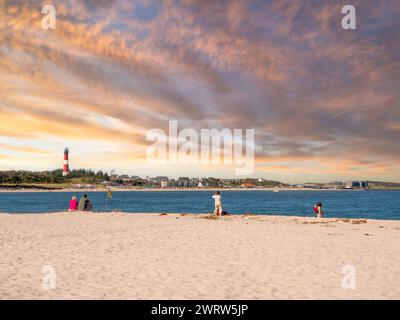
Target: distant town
88,179
66,179
164,182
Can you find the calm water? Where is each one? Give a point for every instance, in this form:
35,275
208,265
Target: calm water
350,204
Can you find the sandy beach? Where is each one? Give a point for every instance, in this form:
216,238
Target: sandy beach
153,256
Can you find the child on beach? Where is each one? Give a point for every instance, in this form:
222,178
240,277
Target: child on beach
318,210
73,204
218,203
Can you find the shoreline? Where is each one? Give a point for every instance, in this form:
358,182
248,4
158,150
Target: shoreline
26,190
211,216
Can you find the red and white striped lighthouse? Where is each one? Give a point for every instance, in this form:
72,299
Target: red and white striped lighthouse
66,162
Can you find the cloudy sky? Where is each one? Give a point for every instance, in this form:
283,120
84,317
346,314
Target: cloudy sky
324,102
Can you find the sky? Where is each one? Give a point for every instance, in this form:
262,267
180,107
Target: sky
324,102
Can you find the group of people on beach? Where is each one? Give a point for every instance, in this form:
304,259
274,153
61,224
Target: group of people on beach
84,204
218,206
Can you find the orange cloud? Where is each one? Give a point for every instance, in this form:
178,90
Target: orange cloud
313,93
23,149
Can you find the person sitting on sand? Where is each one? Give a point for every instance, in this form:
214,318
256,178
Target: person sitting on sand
73,204
318,210
88,206
218,203
85,204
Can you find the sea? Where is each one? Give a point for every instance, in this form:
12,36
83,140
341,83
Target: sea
360,204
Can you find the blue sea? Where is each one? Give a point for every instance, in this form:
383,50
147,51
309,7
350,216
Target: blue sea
368,204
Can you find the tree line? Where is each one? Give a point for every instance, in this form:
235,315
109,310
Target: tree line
55,176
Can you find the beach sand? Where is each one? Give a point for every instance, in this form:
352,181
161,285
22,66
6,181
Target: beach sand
153,256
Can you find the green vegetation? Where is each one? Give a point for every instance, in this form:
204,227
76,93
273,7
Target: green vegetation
51,178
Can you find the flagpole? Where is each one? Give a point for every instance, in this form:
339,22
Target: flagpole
109,196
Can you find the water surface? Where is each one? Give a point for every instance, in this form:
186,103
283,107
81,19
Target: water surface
371,204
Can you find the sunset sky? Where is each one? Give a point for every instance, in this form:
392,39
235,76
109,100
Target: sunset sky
324,102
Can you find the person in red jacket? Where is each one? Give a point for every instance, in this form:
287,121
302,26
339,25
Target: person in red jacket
318,210
73,204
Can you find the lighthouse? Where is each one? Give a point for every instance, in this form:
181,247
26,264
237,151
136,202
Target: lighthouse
66,162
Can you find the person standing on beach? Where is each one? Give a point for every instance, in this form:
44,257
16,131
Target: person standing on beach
318,210
218,203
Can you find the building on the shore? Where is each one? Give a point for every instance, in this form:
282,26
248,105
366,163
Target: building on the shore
211,182
194,182
160,178
183,182
311,186
247,184
356,184
172,183
164,184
